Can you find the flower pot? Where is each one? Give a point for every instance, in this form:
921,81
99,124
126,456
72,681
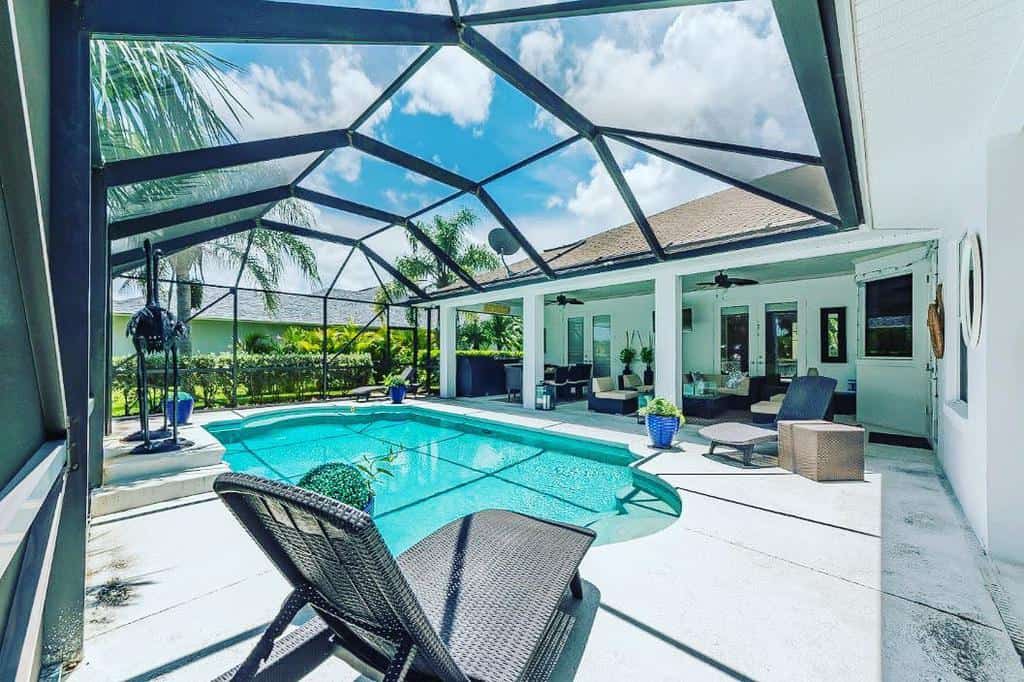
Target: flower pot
185,406
368,507
397,394
661,430
648,376
626,370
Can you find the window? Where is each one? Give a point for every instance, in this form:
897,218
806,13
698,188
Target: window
575,336
602,345
888,314
735,338
833,334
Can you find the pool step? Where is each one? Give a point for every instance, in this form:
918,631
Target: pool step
131,495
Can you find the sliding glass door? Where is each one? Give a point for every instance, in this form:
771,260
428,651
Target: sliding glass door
602,345
735,338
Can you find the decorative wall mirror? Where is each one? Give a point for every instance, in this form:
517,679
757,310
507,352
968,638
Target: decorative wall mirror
971,289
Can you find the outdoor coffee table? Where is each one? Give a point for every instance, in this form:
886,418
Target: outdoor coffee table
705,406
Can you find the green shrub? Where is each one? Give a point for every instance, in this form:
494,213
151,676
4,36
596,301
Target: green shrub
393,380
662,407
339,481
489,353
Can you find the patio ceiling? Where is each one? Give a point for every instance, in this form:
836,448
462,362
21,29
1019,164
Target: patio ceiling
232,188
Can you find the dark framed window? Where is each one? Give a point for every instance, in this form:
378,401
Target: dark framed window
888,317
687,319
833,334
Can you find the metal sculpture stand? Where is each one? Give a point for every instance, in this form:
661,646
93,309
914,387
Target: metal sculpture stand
154,329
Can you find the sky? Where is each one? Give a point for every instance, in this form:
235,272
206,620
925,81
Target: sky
717,71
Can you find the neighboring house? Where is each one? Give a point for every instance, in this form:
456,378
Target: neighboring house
211,331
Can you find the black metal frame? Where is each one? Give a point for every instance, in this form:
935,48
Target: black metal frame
808,31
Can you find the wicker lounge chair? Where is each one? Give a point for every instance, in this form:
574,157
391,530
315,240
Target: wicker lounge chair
477,599
364,392
807,398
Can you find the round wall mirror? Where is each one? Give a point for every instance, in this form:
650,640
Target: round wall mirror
971,278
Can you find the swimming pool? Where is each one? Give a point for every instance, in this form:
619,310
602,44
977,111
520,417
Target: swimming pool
447,467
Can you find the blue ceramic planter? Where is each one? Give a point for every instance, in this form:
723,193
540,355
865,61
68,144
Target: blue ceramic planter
185,406
398,394
368,508
661,430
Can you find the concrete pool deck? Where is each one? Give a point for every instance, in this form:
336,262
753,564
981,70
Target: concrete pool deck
765,576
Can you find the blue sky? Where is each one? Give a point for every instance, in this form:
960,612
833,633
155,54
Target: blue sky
717,71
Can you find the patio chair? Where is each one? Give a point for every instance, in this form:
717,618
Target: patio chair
477,599
808,398
560,382
579,378
364,392
513,381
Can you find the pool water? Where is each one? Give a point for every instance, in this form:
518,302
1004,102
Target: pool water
448,467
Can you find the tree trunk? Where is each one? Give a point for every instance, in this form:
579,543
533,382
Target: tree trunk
183,301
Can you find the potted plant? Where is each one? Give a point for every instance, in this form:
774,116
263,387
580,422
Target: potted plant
396,388
626,356
647,357
186,403
347,483
663,420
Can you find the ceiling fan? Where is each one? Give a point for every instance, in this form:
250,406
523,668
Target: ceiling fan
563,300
724,281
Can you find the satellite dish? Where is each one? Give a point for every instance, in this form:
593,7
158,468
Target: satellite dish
502,241
504,244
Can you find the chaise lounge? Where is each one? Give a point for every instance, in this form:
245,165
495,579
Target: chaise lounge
477,599
364,392
808,398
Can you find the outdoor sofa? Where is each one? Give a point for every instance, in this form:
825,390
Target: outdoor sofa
604,397
808,398
477,599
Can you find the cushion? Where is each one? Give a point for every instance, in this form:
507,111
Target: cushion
603,384
778,398
615,395
766,407
631,381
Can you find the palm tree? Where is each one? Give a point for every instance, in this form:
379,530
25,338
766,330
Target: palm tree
451,234
472,334
506,331
154,98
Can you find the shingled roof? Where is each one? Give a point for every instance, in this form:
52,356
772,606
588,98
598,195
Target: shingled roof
727,216
304,310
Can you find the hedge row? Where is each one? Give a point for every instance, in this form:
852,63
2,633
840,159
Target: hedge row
261,378
490,353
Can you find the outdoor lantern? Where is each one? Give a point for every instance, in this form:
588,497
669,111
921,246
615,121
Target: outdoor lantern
544,397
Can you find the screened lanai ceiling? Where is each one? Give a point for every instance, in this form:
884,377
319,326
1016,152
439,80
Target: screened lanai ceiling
592,133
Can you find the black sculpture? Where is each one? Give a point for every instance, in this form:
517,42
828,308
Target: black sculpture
153,330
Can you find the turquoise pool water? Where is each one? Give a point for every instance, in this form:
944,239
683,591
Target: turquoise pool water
449,467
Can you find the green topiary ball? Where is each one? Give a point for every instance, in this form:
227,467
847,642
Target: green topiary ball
339,481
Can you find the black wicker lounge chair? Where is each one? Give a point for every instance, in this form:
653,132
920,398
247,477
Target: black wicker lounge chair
477,599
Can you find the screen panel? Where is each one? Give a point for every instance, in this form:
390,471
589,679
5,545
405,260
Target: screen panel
672,70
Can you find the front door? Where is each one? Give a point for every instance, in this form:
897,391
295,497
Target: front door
734,340
574,334
781,340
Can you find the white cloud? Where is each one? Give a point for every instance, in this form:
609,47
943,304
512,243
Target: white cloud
554,201
451,84
720,72
539,50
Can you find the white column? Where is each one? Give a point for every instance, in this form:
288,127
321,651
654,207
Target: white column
668,337
447,332
533,346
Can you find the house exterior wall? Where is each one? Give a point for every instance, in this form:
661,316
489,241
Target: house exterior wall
208,336
701,346
941,89
628,314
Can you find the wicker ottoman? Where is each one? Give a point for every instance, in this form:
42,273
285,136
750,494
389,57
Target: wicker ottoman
829,452
785,427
